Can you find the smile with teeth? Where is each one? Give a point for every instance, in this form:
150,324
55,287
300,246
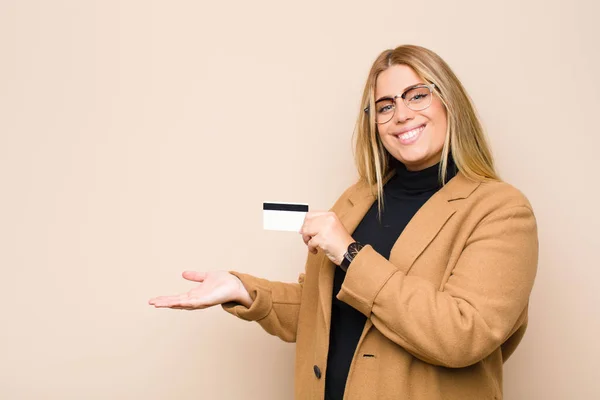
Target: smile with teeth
411,134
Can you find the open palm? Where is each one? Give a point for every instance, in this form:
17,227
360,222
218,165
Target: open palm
216,287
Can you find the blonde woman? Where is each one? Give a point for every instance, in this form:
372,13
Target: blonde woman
418,279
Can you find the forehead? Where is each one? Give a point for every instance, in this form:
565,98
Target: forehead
395,79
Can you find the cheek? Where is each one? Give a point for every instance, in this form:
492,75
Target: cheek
384,137
439,119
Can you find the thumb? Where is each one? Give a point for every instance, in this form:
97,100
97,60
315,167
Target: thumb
194,276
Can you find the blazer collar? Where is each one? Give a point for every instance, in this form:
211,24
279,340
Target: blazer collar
459,187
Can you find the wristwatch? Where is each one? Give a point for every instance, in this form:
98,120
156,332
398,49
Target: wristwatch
353,249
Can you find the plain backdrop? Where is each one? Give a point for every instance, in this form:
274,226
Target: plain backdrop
139,139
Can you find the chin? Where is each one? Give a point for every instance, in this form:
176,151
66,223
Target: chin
412,158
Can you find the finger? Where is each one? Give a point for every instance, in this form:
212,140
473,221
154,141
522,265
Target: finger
194,276
311,216
187,302
184,303
306,238
313,245
168,301
310,228
317,221
155,300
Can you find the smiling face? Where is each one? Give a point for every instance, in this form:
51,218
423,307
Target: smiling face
415,138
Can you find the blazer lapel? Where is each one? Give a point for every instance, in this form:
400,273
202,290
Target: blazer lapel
420,231
428,221
417,235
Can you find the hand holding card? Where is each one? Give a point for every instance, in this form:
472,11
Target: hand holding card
323,230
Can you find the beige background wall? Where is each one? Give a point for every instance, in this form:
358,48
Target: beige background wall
139,139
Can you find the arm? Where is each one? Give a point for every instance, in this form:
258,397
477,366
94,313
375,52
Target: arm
480,306
275,305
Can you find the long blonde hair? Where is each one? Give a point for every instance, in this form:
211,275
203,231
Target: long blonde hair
465,137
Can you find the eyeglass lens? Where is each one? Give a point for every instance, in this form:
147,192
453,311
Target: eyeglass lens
416,99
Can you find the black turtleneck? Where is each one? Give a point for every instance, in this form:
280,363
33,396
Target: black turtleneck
403,195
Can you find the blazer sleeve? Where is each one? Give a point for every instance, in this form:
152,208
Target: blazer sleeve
276,305
482,304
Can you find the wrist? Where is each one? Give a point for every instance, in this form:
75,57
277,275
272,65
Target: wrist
351,252
243,297
340,259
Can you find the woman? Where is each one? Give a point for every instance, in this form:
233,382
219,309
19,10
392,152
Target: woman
417,280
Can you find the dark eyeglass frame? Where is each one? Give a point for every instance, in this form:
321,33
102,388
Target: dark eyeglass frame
430,86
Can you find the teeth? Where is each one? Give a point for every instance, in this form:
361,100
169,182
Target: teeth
411,134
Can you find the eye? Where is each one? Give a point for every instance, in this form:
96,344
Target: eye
419,97
384,106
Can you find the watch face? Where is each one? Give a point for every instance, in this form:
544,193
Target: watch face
354,248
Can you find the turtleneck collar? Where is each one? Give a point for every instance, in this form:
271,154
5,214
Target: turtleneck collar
414,183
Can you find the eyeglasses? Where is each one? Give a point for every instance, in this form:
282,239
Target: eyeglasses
416,98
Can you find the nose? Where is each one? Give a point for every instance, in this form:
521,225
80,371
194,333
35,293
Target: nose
403,113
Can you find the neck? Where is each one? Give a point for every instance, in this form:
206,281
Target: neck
424,164
408,181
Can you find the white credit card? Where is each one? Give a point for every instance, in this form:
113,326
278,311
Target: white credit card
284,216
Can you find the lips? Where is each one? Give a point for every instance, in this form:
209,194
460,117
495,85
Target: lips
410,135
406,130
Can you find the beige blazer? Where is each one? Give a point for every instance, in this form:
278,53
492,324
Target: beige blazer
443,313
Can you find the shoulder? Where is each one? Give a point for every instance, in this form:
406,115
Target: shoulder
495,201
500,194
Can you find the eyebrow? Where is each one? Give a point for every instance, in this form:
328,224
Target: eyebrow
403,90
